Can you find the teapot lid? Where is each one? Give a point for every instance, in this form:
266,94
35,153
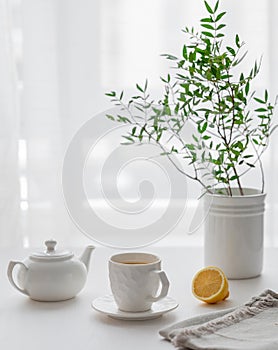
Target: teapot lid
51,253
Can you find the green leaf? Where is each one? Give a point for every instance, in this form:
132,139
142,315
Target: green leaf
123,119
208,20
247,86
255,68
251,165
192,57
195,138
141,132
109,116
262,116
259,100
237,153
184,51
221,26
203,128
239,60
129,139
208,34
127,143
181,63
139,109
237,41
158,137
231,50
261,110
139,88
177,108
111,94
216,6
209,9
169,57
220,16
265,95
208,26
146,85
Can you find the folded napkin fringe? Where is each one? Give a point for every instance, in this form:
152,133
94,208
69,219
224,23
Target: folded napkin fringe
256,305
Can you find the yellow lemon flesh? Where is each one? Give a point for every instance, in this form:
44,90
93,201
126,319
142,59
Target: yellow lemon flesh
210,285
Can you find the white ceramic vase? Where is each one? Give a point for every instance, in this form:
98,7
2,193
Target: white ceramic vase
234,232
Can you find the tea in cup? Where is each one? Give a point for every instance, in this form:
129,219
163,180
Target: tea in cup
135,279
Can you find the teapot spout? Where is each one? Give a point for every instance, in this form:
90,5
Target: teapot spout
86,256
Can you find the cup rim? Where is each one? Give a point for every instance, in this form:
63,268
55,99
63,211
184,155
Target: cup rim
127,256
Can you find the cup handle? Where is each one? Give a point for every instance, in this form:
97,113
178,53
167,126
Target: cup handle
164,286
10,275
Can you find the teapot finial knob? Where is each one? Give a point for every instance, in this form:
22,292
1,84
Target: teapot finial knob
50,244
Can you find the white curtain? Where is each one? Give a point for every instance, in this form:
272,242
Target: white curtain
9,104
58,58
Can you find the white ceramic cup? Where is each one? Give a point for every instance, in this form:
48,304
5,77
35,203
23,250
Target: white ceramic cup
135,279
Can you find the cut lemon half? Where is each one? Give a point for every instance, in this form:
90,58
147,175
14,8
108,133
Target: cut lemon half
210,285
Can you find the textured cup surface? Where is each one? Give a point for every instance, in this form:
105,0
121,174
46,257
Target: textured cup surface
134,280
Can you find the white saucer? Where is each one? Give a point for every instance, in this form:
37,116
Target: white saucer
107,306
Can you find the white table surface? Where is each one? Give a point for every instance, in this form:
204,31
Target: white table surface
73,324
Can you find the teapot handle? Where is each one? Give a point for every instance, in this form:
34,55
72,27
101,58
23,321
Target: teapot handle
10,275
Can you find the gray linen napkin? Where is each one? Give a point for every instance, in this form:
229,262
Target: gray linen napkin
253,326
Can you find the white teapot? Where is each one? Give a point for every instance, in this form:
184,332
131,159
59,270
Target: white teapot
51,275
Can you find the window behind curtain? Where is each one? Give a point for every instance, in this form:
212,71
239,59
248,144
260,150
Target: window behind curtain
73,52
